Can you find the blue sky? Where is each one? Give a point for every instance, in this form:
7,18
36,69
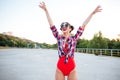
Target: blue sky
25,19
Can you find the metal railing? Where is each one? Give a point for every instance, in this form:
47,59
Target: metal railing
108,52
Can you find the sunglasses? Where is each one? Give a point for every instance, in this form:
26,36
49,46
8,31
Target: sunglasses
64,25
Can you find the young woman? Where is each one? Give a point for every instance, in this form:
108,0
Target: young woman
66,45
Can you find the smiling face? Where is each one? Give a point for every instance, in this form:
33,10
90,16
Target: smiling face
65,27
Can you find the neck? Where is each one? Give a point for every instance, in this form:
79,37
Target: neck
66,35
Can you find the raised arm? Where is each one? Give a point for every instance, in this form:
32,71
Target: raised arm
81,28
43,6
97,9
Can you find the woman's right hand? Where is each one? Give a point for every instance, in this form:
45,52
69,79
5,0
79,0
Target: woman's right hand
43,6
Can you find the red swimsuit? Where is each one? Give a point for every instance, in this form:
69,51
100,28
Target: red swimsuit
66,68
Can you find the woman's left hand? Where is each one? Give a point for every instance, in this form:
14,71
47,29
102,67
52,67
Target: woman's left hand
97,9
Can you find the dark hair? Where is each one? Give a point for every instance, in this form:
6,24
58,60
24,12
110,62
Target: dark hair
71,28
66,24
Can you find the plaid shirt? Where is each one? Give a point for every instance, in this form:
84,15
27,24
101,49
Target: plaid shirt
72,40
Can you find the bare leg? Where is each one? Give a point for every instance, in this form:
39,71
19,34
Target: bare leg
72,75
59,75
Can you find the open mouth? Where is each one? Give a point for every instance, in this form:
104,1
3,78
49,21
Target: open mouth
64,29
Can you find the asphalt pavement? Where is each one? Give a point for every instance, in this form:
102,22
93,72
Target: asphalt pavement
40,64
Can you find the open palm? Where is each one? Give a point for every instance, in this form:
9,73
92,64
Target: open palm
97,9
42,5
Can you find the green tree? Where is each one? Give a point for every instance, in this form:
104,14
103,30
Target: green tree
82,43
98,41
55,45
11,41
114,44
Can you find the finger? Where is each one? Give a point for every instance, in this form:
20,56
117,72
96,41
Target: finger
43,2
99,10
40,3
98,6
40,6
